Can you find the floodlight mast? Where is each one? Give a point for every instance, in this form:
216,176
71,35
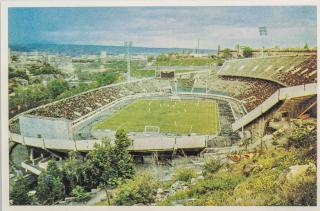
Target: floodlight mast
128,45
263,32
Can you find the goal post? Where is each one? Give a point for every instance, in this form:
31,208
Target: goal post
151,129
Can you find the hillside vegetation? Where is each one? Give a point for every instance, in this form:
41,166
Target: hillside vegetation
283,173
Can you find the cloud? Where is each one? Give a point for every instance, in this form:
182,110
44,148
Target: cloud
170,26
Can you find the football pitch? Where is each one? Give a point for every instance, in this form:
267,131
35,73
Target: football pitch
176,117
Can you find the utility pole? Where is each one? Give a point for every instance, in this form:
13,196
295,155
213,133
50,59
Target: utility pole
128,45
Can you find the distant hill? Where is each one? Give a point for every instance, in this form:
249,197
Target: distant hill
76,50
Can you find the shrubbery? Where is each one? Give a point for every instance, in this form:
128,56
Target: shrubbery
300,188
217,183
247,52
211,166
19,192
184,174
80,193
141,189
50,188
304,135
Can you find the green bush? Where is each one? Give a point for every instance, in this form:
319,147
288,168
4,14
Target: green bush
141,189
211,166
247,52
184,174
19,191
304,135
220,62
217,183
80,193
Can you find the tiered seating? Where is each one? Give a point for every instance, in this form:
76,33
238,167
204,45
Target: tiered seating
286,70
305,72
217,84
252,92
79,105
258,91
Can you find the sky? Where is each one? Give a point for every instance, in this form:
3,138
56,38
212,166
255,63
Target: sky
168,27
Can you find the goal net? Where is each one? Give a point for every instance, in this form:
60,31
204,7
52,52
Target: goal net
151,129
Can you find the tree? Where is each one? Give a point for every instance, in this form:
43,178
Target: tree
105,78
121,156
227,53
19,193
306,47
162,57
28,97
150,57
247,52
108,164
50,188
48,69
73,172
57,87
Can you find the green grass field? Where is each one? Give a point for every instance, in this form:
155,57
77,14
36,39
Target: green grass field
178,117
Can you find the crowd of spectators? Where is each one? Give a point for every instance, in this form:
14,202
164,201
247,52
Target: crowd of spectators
252,92
79,105
258,91
305,72
287,70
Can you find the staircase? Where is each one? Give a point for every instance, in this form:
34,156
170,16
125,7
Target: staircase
226,119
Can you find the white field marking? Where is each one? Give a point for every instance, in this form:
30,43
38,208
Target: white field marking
280,68
241,68
255,68
268,68
190,129
288,70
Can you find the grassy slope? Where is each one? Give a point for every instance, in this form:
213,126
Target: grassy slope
172,116
230,187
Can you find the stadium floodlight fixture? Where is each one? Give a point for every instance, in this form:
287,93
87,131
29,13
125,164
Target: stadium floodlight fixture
263,32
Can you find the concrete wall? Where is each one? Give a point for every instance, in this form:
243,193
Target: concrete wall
148,143
48,128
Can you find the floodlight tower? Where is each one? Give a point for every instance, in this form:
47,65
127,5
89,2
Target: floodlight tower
198,47
128,45
263,32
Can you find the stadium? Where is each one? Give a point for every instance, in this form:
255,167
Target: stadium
193,112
